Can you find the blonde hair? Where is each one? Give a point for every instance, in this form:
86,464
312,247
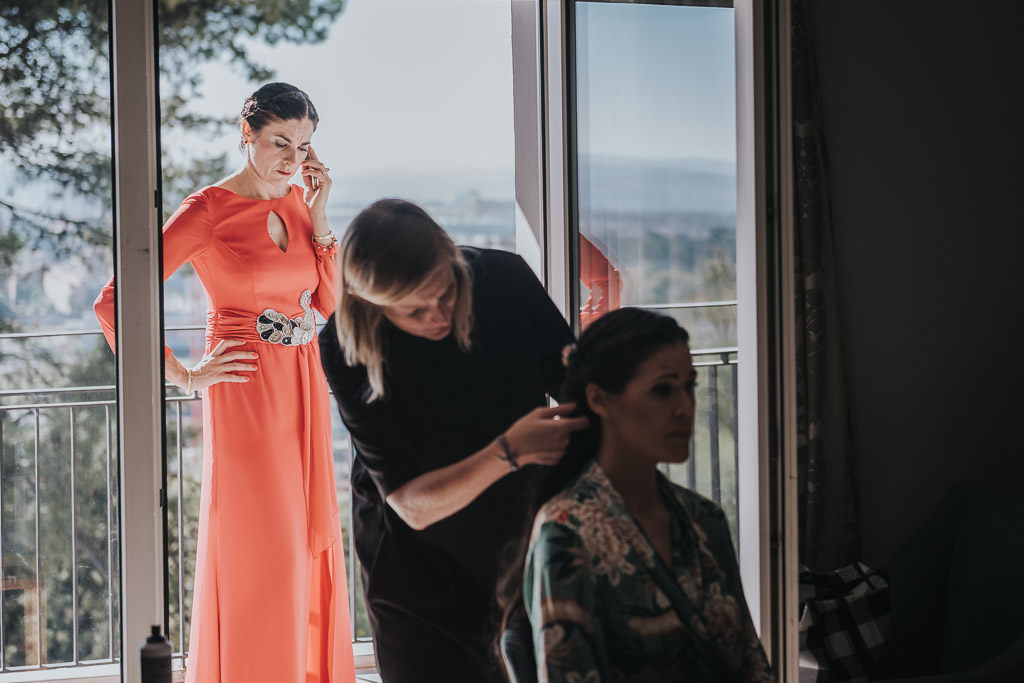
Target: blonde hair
391,249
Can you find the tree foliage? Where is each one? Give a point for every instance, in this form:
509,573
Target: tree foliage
55,98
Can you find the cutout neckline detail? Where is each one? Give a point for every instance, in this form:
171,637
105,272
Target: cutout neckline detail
277,231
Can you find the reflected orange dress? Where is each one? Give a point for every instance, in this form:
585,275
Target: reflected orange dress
270,602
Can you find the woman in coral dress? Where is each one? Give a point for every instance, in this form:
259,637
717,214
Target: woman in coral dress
270,602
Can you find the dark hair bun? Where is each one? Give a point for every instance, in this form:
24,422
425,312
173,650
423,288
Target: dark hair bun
281,101
611,349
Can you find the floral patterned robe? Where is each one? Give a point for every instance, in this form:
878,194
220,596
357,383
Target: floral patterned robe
604,607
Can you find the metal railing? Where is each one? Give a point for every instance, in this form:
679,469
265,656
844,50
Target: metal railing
703,471
36,404
37,642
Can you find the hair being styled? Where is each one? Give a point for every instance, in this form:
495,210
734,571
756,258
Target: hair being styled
608,355
391,249
277,101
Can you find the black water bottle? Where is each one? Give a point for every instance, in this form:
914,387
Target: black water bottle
156,659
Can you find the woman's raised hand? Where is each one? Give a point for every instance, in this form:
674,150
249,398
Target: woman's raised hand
318,184
541,436
221,365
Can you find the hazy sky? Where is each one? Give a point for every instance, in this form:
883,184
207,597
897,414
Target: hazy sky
656,81
401,85
425,86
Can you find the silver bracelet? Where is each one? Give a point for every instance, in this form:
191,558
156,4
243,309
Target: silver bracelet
188,385
506,453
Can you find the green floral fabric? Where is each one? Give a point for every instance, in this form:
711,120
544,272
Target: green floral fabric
604,607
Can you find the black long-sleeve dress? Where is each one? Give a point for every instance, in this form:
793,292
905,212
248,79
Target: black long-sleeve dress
431,593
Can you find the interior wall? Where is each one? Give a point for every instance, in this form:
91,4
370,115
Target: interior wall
925,132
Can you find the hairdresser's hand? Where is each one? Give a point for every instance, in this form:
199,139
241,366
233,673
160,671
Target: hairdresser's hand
221,365
541,436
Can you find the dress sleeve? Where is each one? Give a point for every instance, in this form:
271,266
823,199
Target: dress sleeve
186,235
550,331
382,443
755,667
326,297
560,599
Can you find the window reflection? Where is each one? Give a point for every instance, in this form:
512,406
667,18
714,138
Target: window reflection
656,196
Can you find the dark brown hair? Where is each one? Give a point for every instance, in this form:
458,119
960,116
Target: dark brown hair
280,102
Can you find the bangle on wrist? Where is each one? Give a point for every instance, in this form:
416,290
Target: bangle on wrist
326,241
188,384
506,454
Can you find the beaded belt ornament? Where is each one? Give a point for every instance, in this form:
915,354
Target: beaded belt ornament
277,328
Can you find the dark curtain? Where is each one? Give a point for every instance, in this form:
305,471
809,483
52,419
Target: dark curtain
829,535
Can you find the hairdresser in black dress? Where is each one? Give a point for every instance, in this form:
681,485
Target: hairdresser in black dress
440,358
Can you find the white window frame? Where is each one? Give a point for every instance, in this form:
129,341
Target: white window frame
140,358
541,140
140,335
138,269
764,284
766,384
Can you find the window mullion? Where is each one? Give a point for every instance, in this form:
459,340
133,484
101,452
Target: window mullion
527,103
140,338
555,115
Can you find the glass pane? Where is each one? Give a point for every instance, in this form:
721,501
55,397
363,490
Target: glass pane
656,193
58,495
403,113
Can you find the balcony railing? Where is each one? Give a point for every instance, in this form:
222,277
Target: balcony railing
58,512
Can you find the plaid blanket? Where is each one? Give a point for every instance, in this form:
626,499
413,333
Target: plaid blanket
844,623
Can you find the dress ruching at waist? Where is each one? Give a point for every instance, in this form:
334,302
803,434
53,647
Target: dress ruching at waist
269,326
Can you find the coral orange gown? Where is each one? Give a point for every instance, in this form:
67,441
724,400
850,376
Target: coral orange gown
270,602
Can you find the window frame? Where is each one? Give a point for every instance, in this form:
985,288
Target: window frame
545,174
545,177
139,307
138,268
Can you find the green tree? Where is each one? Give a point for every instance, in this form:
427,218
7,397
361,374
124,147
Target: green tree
54,93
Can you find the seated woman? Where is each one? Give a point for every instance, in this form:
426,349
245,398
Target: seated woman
628,576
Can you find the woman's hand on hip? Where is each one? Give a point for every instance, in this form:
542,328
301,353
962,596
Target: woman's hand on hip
222,365
541,436
318,185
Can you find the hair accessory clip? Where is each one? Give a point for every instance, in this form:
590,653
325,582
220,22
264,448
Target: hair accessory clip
567,352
